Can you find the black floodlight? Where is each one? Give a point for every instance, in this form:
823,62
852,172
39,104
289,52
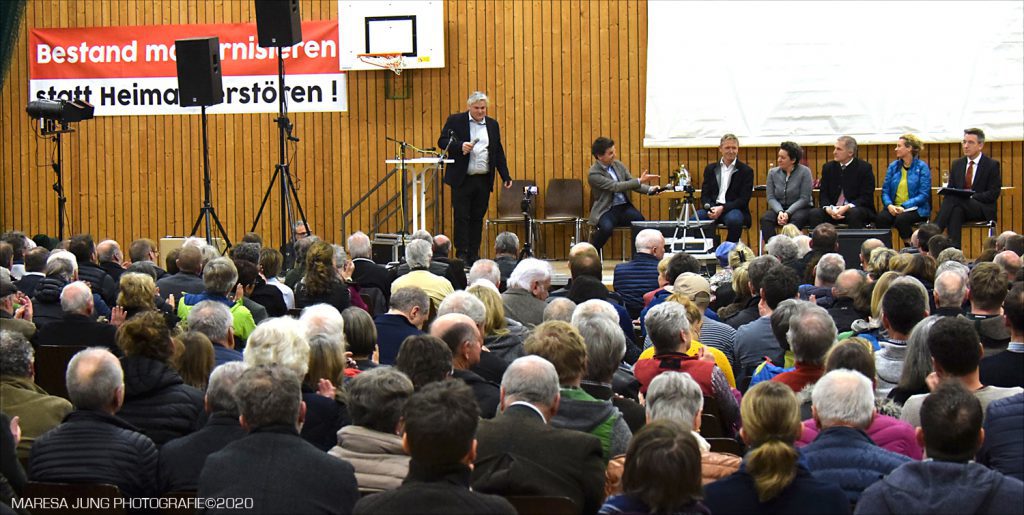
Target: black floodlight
62,111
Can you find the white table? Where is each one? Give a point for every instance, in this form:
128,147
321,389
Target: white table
419,167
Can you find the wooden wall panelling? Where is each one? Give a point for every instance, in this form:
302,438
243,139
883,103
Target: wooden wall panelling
553,91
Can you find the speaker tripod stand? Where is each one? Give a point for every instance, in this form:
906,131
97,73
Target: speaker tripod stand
207,212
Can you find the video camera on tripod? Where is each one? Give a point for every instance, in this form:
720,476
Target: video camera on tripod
529,193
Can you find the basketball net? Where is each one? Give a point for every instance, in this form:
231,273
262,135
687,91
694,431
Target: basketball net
393,62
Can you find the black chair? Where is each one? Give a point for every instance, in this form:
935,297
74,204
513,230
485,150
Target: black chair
710,426
62,498
51,366
542,505
725,445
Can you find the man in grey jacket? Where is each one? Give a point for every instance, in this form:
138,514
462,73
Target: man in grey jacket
612,183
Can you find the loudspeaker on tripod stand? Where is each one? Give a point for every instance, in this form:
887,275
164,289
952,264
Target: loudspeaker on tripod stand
199,77
278,23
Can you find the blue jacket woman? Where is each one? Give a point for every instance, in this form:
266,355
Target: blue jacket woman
904,208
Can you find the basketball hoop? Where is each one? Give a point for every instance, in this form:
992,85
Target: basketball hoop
393,62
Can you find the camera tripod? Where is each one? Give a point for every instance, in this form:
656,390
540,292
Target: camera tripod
525,205
687,220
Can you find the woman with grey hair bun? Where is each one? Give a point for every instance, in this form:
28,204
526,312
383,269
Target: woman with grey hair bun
372,443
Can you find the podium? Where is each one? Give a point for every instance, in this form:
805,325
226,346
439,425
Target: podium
419,168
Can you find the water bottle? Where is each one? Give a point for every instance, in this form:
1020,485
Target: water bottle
684,175
945,178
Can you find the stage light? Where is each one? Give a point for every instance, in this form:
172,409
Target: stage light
61,111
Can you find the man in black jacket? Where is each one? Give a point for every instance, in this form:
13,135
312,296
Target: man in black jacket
79,325
977,172
847,188
182,459
93,445
519,453
440,427
727,187
282,472
473,140
89,271
367,273
464,340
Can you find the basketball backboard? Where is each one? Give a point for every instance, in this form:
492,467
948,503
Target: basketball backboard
413,28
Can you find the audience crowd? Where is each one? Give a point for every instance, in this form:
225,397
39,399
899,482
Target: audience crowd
796,381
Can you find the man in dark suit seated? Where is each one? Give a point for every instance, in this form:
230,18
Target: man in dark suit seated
92,445
975,171
282,472
847,190
519,453
79,325
728,184
35,270
182,459
367,273
440,427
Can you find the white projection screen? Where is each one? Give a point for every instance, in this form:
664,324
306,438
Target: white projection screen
810,71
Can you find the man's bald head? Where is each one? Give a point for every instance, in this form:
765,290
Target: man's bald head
582,247
95,380
847,283
950,289
865,250
1001,240
1009,261
462,337
443,323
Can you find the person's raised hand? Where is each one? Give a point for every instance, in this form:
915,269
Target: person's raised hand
325,388
117,316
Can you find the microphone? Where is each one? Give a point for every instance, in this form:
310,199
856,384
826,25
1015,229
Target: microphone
707,206
474,142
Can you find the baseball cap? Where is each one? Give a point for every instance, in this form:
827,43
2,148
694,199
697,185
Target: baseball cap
722,253
694,286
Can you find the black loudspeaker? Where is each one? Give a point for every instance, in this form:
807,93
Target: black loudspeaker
278,23
850,240
199,79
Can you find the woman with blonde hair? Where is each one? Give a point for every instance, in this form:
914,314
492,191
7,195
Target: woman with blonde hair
906,189
740,279
772,478
501,338
872,326
790,230
137,294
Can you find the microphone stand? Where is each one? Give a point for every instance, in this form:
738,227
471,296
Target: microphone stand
441,168
405,188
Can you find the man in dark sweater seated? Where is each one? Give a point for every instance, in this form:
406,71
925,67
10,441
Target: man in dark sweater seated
1006,368
440,428
182,459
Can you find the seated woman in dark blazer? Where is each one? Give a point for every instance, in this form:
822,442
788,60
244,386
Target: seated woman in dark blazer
788,191
322,284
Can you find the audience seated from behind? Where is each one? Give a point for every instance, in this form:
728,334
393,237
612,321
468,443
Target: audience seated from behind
826,272
638,276
138,294
917,365
773,478
35,271
844,310
182,459
284,342
624,383
425,359
528,288
502,336
283,473
367,273
463,338
440,424
986,290
1006,368
904,305
373,442
92,444
270,262
360,337
219,279
811,334
661,474
506,254
213,319
670,332
418,254
89,271
675,396
490,366
843,453
562,345
79,325
156,398
949,481
885,428
956,353
605,349
755,341
21,397
321,283
756,271
410,308
695,316
189,277
1003,449
519,453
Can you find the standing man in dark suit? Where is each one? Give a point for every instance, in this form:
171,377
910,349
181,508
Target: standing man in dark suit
847,188
727,187
519,453
474,142
612,183
975,171
283,473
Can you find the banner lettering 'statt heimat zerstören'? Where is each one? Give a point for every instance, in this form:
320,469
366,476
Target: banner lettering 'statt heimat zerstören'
133,70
